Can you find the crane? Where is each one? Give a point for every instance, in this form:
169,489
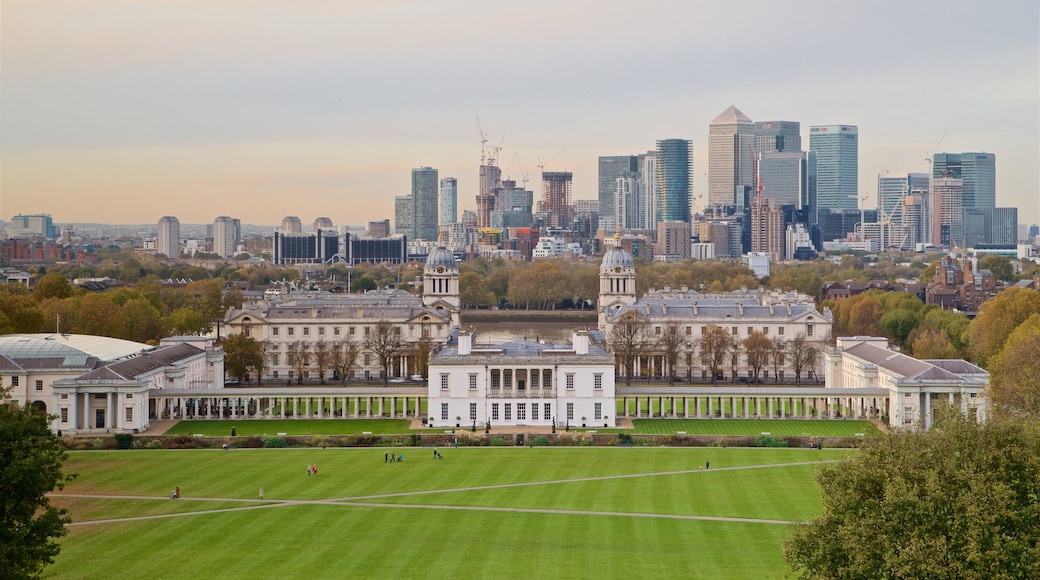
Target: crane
483,141
523,174
542,164
934,150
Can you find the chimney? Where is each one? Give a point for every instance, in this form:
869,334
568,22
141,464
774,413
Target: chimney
580,338
465,342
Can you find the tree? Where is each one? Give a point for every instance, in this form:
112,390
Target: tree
715,345
299,359
322,358
421,350
671,343
30,467
932,343
344,358
757,350
778,355
628,339
999,265
384,342
185,321
803,356
53,285
1015,374
997,318
958,501
241,354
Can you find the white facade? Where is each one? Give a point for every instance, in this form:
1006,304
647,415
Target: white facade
169,239
522,383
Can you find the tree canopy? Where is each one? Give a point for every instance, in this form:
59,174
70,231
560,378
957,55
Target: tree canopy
1015,372
958,502
30,467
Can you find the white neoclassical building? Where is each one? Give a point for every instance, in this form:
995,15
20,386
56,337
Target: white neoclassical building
285,323
522,383
94,384
913,386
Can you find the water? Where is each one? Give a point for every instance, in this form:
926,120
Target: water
551,332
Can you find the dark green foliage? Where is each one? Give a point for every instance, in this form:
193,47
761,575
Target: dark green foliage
30,467
275,442
498,442
124,440
540,441
769,441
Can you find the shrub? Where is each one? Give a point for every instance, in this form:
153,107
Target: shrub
540,441
471,438
581,438
768,441
498,442
275,442
124,440
624,438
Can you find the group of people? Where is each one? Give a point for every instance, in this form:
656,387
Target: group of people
437,454
312,469
392,458
176,493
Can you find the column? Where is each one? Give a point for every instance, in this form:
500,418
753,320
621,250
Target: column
770,407
393,407
381,399
686,407
86,411
637,405
711,405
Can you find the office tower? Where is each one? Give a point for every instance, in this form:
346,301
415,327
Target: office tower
977,172
674,159
731,137
610,169
788,176
767,227
586,206
317,247
837,166
556,200
292,225
912,218
469,218
673,240
424,203
490,180
169,239
1004,226
945,213
404,208
989,225
651,193
890,192
323,224
379,229
39,224
225,236
837,224
773,136
513,206
798,243
449,201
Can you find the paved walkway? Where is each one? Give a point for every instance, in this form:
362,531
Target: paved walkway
361,500
621,423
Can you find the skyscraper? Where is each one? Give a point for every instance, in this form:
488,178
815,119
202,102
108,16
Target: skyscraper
292,224
777,136
449,211
789,176
225,236
945,211
556,200
837,166
674,180
424,199
610,168
731,138
169,239
651,193
490,180
977,172
767,227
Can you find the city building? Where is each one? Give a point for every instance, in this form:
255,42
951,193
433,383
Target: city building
513,206
774,136
674,160
359,250
379,229
318,247
611,168
404,211
977,172
731,139
837,166
323,224
960,286
673,241
556,200
767,227
789,177
226,236
945,212
990,225
449,202
168,242
292,225
27,225
490,180
424,204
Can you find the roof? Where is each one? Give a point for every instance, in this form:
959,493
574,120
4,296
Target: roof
441,257
731,116
135,367
616,256
909,367
43,345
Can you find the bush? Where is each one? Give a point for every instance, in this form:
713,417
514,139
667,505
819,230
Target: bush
124,440
768,441
540,441
275,442
498,442
624,438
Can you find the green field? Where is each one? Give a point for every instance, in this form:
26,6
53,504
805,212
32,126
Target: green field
560,512
775,427
218,428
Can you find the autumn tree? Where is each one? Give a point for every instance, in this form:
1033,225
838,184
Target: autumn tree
628,339
997,318
670,343
241,354
186,321
322,358
778,356
421,351
1015,372
31,460
19,313
344,358
299,359
140,321
956,502
385,343
757,351
716,345
802,356
53,285
932,343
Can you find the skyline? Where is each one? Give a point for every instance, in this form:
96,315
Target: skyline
123,112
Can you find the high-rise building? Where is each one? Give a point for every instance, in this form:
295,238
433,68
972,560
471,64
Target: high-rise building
673,241
513,206
169,239
777,136
424,199
912,218
837,166
731,138
556,200
990,225
379,229
674,160
490,180
323,224
977,172
449,210
651,193
789,176
945,214
292,225
610,169
226,235
39,224
627,210
404,208
767,227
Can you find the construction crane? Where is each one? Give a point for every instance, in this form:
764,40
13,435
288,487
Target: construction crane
542,164
483,142
928,157
523,174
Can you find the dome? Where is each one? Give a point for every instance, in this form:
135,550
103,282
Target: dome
440,258
616,257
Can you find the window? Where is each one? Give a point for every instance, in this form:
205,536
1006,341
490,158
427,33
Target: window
507,378
570,381
547,379
248,331
780,331
597,381
129,395
274,374
64,414
473,381
704,330
733,331
321,331
494,411
368,359
292,331
765,330
472,411
169,380
65,397
306,331
291,359
689,330
534,379
129,414
548,411
508,411
274,331
335,331
367,330
14,381
39,385
350,331
750,329
444,411
570,412
597,411
534,411
274,360
808,330
444,381
657,330
521,411
496,378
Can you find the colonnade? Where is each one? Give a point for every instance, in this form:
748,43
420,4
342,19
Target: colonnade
747,406
286,406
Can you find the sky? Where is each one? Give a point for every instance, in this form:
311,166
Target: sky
123,111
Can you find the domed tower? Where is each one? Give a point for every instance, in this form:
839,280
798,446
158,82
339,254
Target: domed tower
441,283
617,282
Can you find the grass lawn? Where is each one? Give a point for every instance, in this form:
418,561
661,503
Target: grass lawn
567,512
221,428
776,427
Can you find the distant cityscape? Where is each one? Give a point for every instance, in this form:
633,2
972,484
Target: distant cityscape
769,199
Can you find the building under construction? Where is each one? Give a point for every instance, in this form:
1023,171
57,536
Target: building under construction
556,188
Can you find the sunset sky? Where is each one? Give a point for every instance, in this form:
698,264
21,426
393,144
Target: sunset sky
125,111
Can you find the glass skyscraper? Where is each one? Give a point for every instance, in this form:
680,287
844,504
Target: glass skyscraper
674,180
731,138
977,172
449,201
837,164
424,203
611,167
778,136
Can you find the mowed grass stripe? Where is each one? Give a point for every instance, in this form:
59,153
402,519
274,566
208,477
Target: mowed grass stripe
751,427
